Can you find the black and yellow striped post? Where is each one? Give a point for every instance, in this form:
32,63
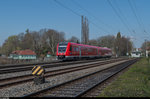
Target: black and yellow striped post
38,72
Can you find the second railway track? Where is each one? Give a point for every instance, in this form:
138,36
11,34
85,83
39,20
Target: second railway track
26,67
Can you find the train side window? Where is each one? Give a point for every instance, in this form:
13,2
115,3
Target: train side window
86,49
89,49
77,49
74,49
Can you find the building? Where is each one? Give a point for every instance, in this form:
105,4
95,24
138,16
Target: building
147,51
23,54
48,54
136,54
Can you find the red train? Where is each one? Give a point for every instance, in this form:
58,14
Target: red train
74,51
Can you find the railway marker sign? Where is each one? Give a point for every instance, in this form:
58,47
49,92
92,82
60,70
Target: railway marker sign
38,73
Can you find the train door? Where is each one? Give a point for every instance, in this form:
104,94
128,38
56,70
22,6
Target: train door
96,52
73,50
100,52
79,51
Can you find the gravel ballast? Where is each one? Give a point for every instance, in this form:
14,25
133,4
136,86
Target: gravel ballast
26,88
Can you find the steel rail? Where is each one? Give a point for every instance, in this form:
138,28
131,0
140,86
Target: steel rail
26,68
41,63
20,79
125,66
62,84
29,67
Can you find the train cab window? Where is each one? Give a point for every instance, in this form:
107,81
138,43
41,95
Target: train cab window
61,48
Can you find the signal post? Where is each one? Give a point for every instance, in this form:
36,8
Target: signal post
38,73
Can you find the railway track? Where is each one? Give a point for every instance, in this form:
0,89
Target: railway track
52,62
25,67
79,86
6,82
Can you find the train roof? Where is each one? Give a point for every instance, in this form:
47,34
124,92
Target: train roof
66,43
83,45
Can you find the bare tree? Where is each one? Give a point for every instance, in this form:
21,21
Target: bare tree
145,46
93,42
106,41
73,39
40,41
52,39
37,42
122,45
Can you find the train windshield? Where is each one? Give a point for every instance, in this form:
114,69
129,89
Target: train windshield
62,49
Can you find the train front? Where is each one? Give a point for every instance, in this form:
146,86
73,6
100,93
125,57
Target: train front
62,50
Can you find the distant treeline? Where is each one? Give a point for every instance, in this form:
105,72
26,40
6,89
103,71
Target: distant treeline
46,40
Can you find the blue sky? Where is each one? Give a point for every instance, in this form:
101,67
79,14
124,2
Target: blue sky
18,15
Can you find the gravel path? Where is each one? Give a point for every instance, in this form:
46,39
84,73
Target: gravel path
25,88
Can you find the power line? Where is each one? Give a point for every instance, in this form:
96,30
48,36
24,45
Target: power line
133,31
139,21
135,14
98,26
67,8
139,16
79,15
75,2
117,6
119,16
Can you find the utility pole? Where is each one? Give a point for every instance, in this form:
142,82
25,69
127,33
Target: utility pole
84,30
85,33
127,49
145,47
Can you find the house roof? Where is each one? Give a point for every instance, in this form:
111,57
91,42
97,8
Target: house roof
148,48
24,52
49,53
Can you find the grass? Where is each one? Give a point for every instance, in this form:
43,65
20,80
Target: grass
133,83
